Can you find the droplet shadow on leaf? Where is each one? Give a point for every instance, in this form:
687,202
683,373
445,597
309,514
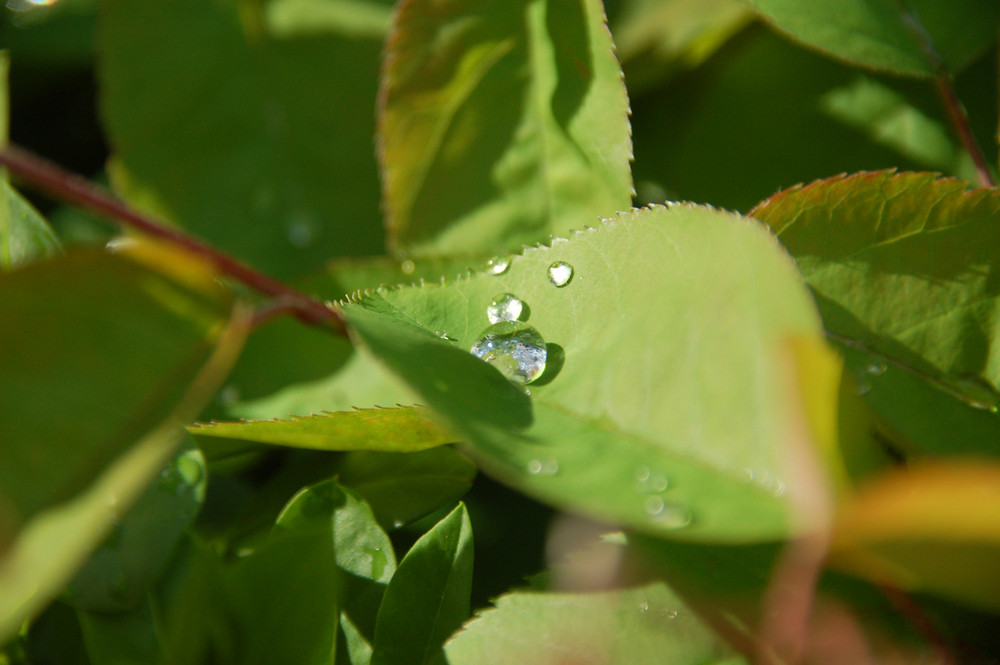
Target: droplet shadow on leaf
554,362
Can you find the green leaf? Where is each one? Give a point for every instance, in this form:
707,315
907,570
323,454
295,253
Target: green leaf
25,236
933,528
655,39
359,545
86,440
889,35
500,124
646,624
140,546
403,487
902,269
428,597
97,350
890,119
274,129
402,429
121,638
672,319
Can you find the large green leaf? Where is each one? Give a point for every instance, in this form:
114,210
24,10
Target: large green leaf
903,268
428,597
646,624
905,38
255,131
103,359
665,403
402,429
97,350
501,123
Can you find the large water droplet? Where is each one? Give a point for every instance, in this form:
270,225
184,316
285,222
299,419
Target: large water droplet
498,265
514,348
506,307
560,273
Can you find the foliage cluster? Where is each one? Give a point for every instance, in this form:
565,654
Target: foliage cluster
765,436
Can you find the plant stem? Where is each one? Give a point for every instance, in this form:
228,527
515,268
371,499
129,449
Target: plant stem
79,191
956,112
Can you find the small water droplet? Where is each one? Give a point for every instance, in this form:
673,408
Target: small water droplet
560,273
658,483
444,335
673,516
876,369
642,474
396,524
301,231
535,467
498,265
653,505
514,348
408,266
864,388
505,307
670,614
644,607
550,467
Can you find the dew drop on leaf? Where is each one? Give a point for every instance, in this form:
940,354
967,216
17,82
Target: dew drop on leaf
876,369
514,348
560,273
506,307
673,516
498,265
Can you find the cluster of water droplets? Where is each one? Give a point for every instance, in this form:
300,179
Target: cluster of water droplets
656,503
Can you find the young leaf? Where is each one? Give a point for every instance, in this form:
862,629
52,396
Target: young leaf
647,624
933,528
428,597
403,487
25,236
275,131
673,318
141,545
901,266
402,429
500,124
890,35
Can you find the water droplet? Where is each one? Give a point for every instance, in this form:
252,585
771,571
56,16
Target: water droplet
876,369
498,265
408,266
560,273
550,467
396,524
444,335
229,395
653,505
658,483
673,516
301,231
644,607
864,388
670,614
642,474
506,307
514,348
535,467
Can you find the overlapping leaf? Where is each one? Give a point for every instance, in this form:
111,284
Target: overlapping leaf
402,429
672,320
904,272
273,130
906,38
642,625
501,123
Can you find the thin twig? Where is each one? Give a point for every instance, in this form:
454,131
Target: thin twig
79,191
956,112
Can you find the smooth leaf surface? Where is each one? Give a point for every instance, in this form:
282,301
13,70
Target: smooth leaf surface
279,167
428,597
140,546
25,236
931,528
400,429
403,487
646,624
97,350
903,271
500,124
672,318
889,35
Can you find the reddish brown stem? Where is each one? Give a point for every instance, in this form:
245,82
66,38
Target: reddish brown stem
79,191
